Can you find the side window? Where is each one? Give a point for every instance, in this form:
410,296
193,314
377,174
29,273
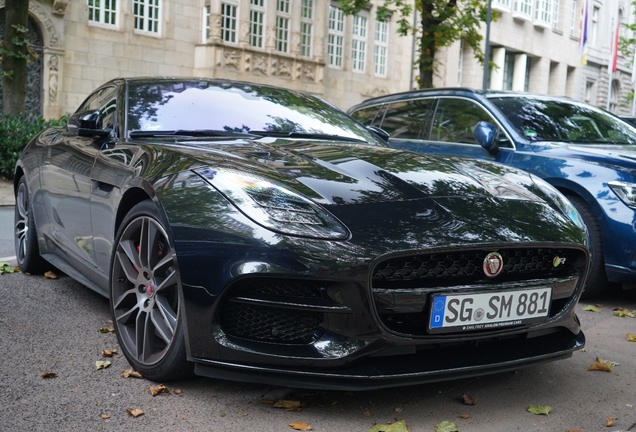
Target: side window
107,107
370,116
91,103
455,121
409,119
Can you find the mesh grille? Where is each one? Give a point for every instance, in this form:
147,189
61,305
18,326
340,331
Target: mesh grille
277,287
268,324
465,267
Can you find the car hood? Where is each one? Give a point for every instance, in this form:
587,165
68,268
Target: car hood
337,173
614,154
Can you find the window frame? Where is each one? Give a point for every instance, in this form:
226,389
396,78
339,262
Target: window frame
335,37
307,14
234,19
359,37
150,8
283,25
102,12
381,48
257,29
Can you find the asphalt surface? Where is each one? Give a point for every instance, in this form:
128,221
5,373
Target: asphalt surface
51,325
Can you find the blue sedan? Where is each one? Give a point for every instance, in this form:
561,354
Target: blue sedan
586,153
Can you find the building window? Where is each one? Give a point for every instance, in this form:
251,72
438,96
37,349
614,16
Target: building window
555,14
205,26
502,5
147,15
104,12
257,23
228,22
594,31
573,19
523,7
543,11
359,43
282,26
380,47
616,90
589,91
335,40
509,69
306,28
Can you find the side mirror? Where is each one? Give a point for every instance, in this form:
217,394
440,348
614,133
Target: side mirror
486,135
379,132
85,123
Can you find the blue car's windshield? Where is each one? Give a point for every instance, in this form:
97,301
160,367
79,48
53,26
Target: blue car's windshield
200,108
544,119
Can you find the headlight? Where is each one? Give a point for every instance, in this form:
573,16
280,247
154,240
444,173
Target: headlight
625,191
561,201
275,207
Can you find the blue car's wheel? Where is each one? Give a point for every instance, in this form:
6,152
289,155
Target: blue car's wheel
145,296
597,281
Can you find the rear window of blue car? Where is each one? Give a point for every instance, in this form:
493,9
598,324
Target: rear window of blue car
539,119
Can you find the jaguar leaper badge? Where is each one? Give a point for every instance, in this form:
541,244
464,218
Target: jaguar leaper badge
557,261
493,264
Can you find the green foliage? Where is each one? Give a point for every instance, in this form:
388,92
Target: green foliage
15,133
24,50
441,23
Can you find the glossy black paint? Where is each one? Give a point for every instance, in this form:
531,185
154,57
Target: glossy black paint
390,203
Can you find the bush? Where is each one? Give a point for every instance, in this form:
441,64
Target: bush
15,134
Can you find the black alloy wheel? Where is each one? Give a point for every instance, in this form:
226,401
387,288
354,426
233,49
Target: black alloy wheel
145,296
25,236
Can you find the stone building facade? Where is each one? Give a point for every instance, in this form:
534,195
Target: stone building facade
535,48
308,45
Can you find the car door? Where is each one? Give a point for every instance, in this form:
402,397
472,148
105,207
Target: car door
447,126
66,181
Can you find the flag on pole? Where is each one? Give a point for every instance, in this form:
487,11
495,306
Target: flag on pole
583,27
614,58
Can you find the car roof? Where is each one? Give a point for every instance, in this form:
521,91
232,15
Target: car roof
452,91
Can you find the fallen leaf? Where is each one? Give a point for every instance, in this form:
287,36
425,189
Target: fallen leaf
600,365
590,308
446,426
105,416
366,413
289,405
467,400
398,410
399,426
540,409
267,401
301,426
631,337
136,412
106,330
130,372
109,353
222,414
465,416
157,389
610,421
177,391
48,375
622,313
598,305
102,364
50,275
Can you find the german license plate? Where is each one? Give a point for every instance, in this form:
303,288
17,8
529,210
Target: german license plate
485,311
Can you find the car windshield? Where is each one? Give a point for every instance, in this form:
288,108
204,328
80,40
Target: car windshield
539,119
200,107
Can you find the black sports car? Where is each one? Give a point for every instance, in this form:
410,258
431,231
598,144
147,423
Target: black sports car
249,232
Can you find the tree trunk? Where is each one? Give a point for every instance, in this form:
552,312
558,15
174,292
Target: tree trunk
14,58
427,46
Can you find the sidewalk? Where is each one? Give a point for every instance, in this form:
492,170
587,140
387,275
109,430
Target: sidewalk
6,193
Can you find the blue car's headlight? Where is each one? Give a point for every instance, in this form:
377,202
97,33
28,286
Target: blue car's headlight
275,207
626,192
560,200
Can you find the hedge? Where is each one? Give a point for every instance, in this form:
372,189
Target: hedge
15,133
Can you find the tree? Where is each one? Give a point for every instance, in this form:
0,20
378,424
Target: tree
15,54
440,24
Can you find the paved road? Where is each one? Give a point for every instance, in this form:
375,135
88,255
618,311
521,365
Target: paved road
53,325
6,234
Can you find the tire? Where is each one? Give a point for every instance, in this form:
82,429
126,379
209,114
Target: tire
597,282
25,235
144,296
